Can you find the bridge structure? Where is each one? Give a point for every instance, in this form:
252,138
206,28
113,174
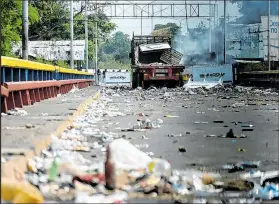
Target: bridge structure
25,82
154,9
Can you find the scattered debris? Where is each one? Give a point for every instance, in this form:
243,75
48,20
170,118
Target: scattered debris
181,149
171,116
17,112
62,172
29,125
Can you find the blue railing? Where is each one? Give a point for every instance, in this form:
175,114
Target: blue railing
16,70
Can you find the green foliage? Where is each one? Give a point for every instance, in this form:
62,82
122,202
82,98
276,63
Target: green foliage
63,64
172,27
43,61
113,64
51,25
118,46
49,20
11,23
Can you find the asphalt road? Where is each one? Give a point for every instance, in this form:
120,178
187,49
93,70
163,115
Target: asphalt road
195,119
261,144
202,153
45,117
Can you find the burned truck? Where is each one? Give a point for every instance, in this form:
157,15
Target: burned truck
155,62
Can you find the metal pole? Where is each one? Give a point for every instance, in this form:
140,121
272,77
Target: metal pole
151,24
72,33
214,28
141,22
268,37
225,30
86,36
217,46
209,30
96,51
25,29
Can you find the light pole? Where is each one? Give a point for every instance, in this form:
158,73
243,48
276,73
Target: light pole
25,29
72,33
225,30
86,36
268,37
141,22
217,45
96,53
209,25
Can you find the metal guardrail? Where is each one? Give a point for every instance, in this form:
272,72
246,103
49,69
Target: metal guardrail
16,70
25,82
258,78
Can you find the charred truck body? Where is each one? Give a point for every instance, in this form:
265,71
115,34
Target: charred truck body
155,62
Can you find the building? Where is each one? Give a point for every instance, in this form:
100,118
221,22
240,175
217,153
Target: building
250,41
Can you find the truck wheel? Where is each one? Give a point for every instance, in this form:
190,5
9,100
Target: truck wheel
135,80
180,83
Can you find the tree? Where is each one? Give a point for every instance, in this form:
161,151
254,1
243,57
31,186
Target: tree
170,29
11,23
119,46
52,23
253,10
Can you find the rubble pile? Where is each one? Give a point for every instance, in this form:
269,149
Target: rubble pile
119,171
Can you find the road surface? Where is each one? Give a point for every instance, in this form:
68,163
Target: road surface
187,121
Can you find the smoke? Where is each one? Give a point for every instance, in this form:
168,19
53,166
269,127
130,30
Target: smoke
251,11
195,46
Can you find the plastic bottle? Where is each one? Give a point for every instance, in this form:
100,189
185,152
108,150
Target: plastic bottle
110,171
160,167
53,172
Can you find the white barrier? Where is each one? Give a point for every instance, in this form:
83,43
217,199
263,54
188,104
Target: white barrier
117,78
213,73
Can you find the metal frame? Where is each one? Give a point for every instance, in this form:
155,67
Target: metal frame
154,10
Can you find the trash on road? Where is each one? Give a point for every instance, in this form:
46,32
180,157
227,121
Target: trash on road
181,149
17,112
229,134
218,121
247,130
87,161
268,192
201,122
20,192
126,156
247,125
171,116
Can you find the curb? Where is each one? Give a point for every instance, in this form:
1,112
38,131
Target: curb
15,168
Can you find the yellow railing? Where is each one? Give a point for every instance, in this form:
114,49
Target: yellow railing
71,71
25,64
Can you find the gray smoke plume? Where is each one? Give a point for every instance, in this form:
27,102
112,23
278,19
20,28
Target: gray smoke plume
252,10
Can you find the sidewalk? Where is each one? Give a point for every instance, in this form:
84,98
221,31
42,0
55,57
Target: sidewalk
18,133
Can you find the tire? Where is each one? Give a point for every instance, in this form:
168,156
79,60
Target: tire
135,80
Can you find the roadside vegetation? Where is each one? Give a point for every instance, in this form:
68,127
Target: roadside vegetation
49,20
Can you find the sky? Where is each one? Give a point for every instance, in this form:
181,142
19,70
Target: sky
128,26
